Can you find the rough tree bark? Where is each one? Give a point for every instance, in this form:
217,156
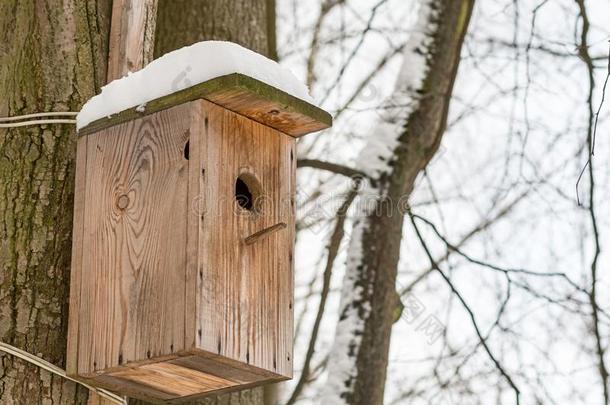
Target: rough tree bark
359,357
250,23
53,57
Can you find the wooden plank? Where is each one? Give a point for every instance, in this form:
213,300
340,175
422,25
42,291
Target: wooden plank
132,34
132,389
196,177
173,379
241,94
187,376
134,250
132,364
286,257
211,367
183,376
225,367
245,291
77,254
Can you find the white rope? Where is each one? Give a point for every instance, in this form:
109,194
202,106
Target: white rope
6,122
52,368
37,122
38,115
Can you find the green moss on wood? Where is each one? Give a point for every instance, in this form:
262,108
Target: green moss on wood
235,81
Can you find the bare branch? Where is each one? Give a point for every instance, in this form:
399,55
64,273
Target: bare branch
325,8
331,167
468,310
592,121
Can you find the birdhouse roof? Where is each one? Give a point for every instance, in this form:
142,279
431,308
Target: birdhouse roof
224,73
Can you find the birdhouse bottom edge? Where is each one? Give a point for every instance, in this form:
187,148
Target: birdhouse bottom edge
180,377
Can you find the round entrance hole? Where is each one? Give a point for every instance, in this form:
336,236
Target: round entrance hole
248,192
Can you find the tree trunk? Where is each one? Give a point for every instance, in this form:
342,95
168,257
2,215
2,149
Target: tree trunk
53,57
250,23
359,357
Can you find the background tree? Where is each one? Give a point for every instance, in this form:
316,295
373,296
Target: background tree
399,148
502,255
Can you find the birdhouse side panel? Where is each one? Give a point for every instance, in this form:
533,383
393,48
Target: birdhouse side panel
245,283
129,278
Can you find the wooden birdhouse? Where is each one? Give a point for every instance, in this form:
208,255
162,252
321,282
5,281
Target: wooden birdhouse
182,266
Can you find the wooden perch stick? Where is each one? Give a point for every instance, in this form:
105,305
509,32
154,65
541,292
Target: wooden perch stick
263,233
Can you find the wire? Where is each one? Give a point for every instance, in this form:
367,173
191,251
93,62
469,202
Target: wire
5,122
38,115
37,122
52,368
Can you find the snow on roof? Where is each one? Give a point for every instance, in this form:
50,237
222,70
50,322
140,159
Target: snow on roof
184,68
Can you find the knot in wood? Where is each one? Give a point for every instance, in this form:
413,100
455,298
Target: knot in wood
122,202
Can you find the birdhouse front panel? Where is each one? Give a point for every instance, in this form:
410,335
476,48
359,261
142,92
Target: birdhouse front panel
245,285
182,265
